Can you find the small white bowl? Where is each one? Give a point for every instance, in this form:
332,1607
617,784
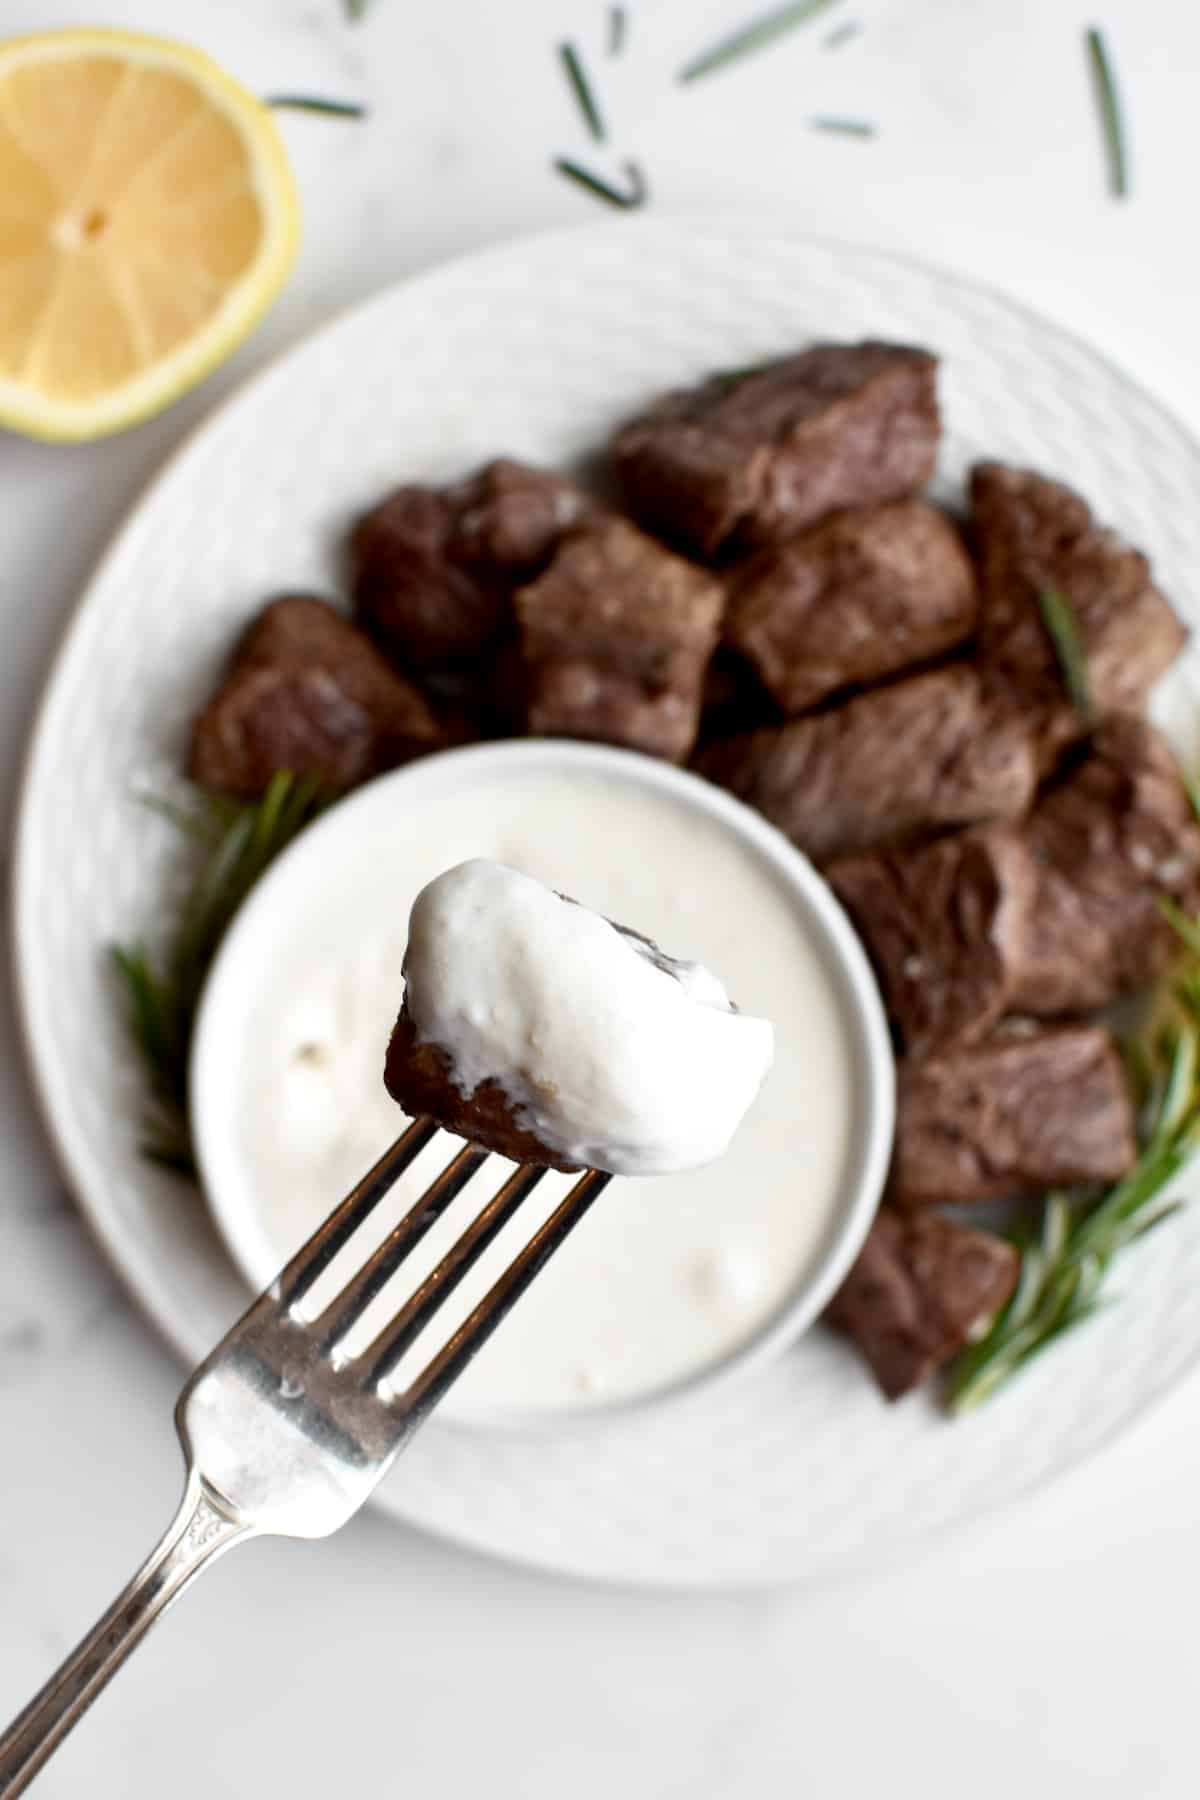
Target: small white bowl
344,838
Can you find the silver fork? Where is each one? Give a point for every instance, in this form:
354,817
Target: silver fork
284,1433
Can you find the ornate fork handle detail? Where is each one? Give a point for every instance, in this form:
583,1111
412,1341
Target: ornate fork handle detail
200,1532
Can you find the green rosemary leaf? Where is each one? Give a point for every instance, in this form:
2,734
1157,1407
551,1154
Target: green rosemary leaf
1192,789
618,29
355,10
1108,103
859,128
1058,616
755,36
314,103
582,89
233,845
1187,929
635,195
841,34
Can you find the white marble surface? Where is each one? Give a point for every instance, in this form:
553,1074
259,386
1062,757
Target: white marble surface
1049,1650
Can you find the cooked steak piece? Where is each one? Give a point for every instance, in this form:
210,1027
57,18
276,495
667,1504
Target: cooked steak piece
434,568
935,750
1027,1108
755,457
922,1288
420,1077
1032,535
861,595
307,691
946,928
1114,836
615,636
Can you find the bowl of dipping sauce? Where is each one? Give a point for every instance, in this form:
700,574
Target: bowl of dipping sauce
671,1281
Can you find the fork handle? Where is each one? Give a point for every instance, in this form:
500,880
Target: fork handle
201,1531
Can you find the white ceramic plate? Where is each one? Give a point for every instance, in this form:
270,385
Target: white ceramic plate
536,350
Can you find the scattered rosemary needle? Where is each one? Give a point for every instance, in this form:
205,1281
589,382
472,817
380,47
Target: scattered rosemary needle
1109,104
234,843
1064,1266
582,89
635,195
1058,616
859,128
355,10
755,36
618,26
314,103
841,34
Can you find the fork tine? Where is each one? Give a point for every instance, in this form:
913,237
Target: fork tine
314,1258
445,1368
345,1308
385,1351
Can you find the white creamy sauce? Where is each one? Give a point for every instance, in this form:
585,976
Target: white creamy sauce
666,1274
613,1053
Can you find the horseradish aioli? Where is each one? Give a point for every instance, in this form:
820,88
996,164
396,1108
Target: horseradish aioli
614,1054
667,1274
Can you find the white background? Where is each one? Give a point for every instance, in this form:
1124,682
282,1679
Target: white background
1050,1650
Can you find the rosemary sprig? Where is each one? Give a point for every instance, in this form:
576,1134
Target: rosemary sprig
1058,616
1109,104
235,844
618,26
581,87
755,36
859,128
1064,1266
635,195
337,109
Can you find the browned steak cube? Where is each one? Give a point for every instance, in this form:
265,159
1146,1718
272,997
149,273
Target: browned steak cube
615,636
307,691
936,750
420,1078
859,596
1035,535
922,1288
1027,1108
434,568
1114,836
512,517
756,457
946,928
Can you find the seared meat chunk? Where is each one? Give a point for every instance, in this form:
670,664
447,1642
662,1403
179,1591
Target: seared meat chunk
922,1288
936,750
755,457
1034,535
615,636
1113,837
946,928
434,568
859,596
420,1077
1027,1108
307,691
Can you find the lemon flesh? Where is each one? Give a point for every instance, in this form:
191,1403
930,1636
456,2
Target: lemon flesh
147,220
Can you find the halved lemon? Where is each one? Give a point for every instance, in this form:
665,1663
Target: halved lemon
147,219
